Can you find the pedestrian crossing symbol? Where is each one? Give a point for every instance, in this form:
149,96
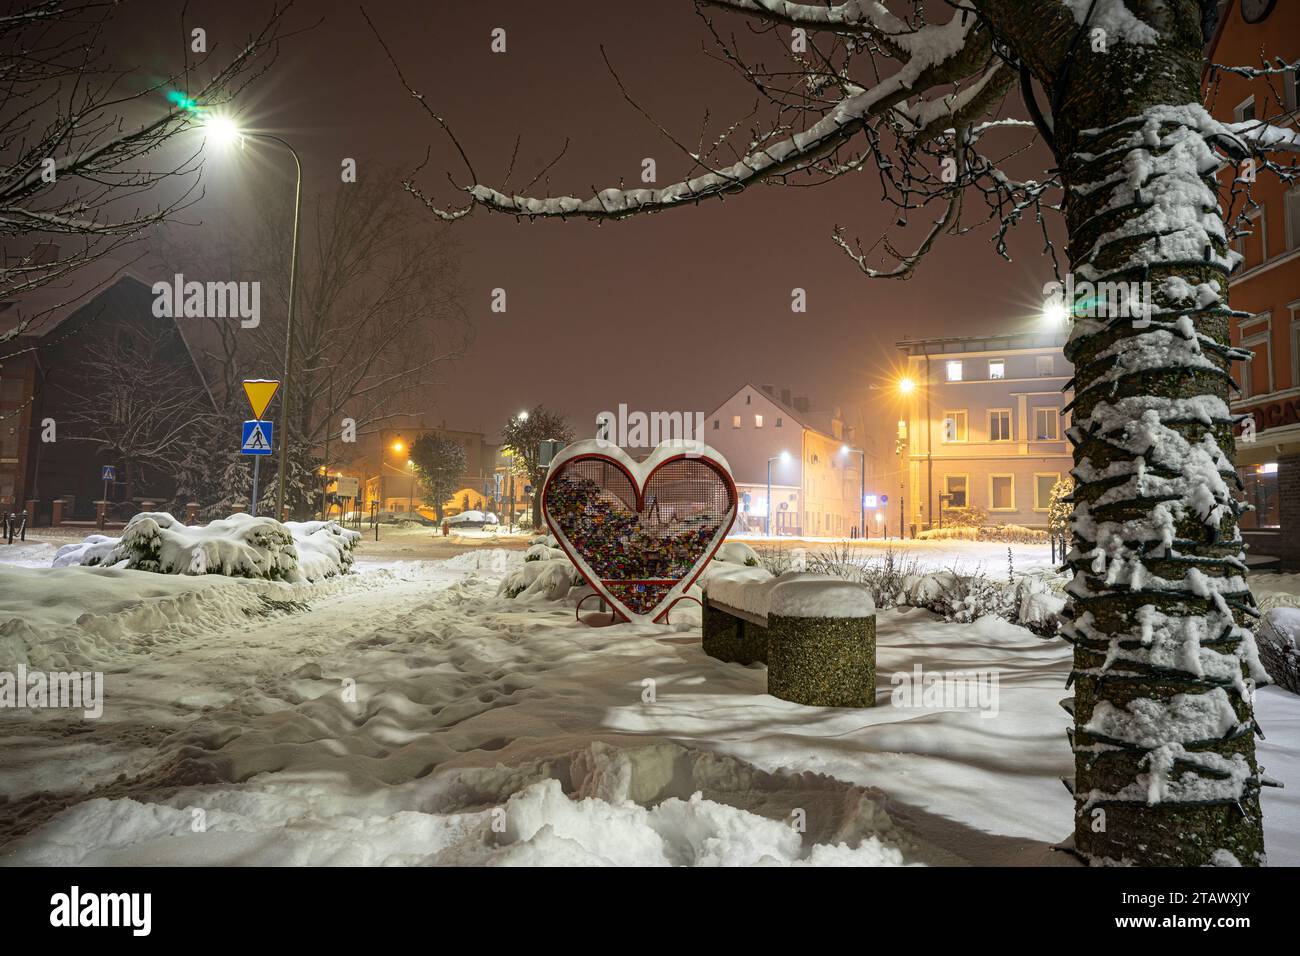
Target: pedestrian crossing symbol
257,438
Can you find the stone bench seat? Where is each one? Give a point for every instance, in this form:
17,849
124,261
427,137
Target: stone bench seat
816,634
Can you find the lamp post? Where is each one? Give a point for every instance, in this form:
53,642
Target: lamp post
862,487
225,129
783,457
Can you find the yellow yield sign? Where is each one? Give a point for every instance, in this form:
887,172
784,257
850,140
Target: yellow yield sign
260,391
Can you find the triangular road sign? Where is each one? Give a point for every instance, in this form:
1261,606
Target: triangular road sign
260,391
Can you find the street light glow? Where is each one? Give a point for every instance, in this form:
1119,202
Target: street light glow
1055,313
223,131
398,447
785,456
906,386
523,416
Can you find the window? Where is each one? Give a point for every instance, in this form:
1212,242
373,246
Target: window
1257,373
1252,243
1260,490
1002,493
954,490
735,421
1046,367
954,425
997,368
1046,422
1289,91
778,423
716,424
758,421
1000,424
1245,110
1043,483
954,371
748,399
1291,211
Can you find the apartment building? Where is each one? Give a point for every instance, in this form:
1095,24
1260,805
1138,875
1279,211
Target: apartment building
983,426
1267,283
816,463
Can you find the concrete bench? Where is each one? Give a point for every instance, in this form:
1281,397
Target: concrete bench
817,635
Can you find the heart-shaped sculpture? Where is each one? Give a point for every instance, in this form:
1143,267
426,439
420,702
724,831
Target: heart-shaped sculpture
639,532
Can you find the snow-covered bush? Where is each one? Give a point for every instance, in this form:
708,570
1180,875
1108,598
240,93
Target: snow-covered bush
542,580
237,546
737,552
1278,640
778,559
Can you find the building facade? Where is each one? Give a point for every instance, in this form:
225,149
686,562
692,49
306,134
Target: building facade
984,427
389,482
1266,284
816,464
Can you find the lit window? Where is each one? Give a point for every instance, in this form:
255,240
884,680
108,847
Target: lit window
758,421
1045,366
954,425
954,371
1000,425
735,421
1045,424
1002,493
997,368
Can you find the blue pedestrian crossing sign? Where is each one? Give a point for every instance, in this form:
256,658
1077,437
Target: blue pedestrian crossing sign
108,473
257,438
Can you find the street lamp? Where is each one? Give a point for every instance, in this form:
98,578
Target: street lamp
862,487
783,458
224,130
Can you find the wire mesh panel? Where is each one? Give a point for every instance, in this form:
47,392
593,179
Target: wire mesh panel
640,547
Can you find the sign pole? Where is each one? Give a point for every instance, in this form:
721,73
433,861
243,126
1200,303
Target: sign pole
252,506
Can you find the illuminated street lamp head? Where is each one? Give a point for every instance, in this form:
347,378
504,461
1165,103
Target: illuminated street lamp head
523,416
223,131
844,449
398,447
906,386
1055,313
785,456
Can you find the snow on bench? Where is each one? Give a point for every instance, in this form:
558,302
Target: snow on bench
816,634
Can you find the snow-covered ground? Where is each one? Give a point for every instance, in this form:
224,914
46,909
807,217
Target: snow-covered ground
407,714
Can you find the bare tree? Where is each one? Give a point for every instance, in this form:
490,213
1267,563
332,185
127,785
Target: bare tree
1165,767
380,309
84,147
137,397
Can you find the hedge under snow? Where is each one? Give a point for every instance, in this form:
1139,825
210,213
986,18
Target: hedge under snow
240,546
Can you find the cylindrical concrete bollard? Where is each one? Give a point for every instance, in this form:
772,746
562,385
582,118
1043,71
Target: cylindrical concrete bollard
821,647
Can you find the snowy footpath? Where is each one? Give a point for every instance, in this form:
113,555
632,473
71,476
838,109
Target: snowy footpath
409,715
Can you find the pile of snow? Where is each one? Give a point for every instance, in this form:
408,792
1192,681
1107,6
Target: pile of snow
239,546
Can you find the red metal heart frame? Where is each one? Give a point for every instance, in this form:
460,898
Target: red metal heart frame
640,583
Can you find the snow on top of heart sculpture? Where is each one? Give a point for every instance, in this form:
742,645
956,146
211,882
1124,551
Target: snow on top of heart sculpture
639,532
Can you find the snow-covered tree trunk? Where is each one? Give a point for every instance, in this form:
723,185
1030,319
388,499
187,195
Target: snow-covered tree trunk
1165,768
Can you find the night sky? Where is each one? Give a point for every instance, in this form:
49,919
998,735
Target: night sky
667,312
